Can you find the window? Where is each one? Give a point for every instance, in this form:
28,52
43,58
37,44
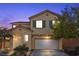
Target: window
39,24
34,23
53,22
14,26
26,37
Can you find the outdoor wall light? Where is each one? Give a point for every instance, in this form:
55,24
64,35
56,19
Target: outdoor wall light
14,26
47,37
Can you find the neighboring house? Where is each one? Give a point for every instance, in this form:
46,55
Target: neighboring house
6,41
37,33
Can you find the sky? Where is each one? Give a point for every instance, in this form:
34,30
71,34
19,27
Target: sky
14,12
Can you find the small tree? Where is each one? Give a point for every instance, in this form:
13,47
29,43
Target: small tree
1,37
76,16
67,27
3,34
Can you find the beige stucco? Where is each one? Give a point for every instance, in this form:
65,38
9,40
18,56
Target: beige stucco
43,32
18,37
47,29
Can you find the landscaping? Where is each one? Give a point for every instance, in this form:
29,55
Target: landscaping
22,50
72,51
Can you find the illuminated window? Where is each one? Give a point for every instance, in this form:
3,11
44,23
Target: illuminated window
53,21
39,24
26,37
14,26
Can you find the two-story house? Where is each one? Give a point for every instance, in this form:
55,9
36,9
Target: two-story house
38,32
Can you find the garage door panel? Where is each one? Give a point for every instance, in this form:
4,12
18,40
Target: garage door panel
46,44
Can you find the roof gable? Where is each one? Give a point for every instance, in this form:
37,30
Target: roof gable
45,12
21,22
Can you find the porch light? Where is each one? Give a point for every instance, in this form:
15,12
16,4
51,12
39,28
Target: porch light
47,37
14,26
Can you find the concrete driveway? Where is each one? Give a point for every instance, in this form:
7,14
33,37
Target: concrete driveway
48,53
3,53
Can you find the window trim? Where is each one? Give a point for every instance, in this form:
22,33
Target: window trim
41,24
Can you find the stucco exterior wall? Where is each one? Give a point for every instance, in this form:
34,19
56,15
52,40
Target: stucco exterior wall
46,18
42,32
18,37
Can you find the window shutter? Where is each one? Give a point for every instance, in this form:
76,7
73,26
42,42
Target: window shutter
50,24
43,24
34,23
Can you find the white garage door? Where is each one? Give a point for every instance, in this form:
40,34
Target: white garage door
46,44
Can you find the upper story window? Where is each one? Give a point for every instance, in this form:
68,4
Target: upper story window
14,26
53,23
38,24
